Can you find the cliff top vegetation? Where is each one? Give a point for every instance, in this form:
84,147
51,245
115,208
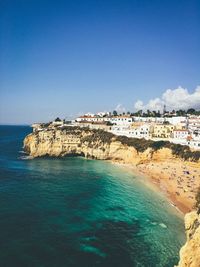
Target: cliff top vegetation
101,136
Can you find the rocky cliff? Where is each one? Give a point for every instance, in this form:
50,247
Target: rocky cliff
190,252
95,144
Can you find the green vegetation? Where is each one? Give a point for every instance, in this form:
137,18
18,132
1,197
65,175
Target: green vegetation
159,145
57,119
197,205
108,123
114,113
98,136
153,113
184,152
141,145
45,125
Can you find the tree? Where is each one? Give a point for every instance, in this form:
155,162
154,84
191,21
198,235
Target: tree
114,113
148,113
57,119
154,113
158,114
191,111
197,205
180,112
140,112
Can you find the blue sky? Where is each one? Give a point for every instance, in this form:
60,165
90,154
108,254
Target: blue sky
61,58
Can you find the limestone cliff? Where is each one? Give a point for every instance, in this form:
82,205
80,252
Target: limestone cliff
190,252
88,143
93,144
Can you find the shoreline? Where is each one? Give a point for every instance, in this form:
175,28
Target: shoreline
180,197
152,175
175,177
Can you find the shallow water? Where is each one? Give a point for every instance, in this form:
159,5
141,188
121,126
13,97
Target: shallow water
77,212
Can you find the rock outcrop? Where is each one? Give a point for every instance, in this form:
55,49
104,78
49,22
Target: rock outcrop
88,143
99,144
190,252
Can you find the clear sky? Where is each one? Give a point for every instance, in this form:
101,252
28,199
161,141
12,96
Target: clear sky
61,58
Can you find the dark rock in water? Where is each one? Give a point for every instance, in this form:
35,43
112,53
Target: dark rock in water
116,208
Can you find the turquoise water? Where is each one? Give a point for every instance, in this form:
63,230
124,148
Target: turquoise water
75,212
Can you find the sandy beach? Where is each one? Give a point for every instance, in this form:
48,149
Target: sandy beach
179,181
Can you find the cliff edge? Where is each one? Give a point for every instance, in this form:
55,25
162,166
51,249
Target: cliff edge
99,144
190,252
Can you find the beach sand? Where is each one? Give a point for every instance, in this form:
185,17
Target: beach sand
179,181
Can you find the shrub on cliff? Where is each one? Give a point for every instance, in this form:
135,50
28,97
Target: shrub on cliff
100,136
139,144
184,152
195,155
45,125
159,144
197,205
97,136
178,150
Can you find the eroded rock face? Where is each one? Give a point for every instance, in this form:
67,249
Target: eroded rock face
88,143
190,252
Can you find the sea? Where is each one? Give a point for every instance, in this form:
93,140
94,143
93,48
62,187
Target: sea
76,212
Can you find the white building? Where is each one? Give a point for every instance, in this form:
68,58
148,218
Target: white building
37,127
120,130
118,120
177,120
139,131
172,120
180,130
180,134
57,123
149,119
194,125
87,118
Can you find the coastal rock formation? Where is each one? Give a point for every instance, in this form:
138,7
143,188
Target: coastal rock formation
99,144
190,252
89,143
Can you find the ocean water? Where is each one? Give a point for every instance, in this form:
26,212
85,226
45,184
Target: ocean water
74,212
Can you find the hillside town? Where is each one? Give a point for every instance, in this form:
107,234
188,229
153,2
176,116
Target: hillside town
179,128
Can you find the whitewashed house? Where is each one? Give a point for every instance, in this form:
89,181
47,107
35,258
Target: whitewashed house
120,120
194,124
120,130
136,131
140,131
180,134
